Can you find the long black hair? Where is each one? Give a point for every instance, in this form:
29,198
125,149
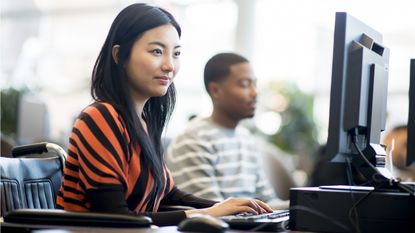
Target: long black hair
110,84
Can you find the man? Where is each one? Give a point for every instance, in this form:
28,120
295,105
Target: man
399,153
215,158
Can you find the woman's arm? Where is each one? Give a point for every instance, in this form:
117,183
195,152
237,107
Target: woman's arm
227,207
178,197
112,201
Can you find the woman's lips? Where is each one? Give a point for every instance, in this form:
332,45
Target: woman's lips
163,80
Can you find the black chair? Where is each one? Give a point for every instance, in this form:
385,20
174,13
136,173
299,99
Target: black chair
32,178
30,182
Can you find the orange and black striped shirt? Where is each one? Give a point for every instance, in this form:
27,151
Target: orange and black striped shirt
103,171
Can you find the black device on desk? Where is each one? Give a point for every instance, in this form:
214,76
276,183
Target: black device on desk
331,209
54,217
203,223
358,99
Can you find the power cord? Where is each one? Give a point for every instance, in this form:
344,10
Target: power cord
380,181
354,209
353,215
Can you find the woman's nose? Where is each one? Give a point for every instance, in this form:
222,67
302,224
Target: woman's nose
168,65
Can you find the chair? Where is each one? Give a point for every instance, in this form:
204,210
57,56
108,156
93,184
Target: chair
276,170
31,180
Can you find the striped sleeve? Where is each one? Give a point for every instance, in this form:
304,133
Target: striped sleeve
97,137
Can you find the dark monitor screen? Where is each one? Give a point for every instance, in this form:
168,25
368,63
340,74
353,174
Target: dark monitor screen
410,159
357,98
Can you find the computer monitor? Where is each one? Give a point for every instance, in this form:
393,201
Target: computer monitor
410,157
32,120
357,100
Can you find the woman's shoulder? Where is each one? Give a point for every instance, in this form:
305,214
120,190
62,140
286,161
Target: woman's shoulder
101,115
100,105
102,108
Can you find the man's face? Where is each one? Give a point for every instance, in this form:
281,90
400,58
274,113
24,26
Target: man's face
399,153
236,95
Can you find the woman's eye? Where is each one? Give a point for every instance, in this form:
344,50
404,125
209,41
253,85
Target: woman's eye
156,51
177,53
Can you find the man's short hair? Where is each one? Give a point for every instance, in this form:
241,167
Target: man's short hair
218,67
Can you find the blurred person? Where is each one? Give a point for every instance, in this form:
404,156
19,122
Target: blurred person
399,153
115,159
7,144
215,157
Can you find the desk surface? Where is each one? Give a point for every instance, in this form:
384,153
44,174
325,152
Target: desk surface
154,229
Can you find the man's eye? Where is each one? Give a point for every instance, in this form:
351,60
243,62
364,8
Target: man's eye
245,83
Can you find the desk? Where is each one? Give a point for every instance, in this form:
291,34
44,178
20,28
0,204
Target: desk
59,229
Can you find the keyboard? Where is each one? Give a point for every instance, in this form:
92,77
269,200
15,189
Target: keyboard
275,221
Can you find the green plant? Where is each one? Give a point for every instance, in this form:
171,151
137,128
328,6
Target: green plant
298,131
9,110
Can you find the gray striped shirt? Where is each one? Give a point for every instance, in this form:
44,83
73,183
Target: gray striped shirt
213,162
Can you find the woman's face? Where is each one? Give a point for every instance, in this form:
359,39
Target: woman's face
154,62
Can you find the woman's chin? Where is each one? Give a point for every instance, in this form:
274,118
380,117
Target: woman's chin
160,93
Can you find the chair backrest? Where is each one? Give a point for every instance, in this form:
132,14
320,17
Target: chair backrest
277,170
31,180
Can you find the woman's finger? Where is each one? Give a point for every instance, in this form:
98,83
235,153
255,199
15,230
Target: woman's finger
247,209
251,203
264,206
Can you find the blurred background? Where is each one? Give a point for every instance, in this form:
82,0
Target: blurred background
48,49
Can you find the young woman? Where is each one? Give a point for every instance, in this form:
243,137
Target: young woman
115,159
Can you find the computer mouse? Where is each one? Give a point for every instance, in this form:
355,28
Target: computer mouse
203,223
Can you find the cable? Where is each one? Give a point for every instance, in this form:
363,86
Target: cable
407,188
354,136
355,220
259,227
354,206
383,181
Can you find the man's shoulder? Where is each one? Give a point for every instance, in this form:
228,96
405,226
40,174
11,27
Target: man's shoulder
243,132
199,128
199,131
194,141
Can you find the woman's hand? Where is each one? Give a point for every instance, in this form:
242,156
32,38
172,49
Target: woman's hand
234,206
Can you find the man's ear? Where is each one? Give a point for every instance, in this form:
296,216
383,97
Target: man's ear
214,89
115,49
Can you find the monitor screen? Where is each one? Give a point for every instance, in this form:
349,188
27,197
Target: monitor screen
410,157
357,100
32,120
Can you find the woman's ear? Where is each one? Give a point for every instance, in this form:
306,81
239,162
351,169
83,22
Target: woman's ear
114,51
